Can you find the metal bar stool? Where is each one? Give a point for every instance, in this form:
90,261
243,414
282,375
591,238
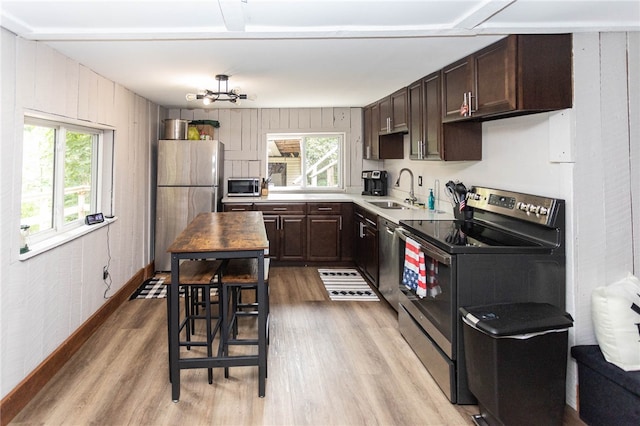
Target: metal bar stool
239,275
198,278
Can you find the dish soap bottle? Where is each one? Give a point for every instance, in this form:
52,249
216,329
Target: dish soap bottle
432,200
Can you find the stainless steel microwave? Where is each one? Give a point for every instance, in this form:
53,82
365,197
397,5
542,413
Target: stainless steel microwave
243,187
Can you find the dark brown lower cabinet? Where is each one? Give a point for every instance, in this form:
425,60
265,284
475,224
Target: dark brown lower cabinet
292,237
346,249
272,226
300,232
366,244
286,235
323,232
238,207
285,224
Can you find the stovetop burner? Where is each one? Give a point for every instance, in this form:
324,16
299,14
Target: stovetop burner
501,222
457,236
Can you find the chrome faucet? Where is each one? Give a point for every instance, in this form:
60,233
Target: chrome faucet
412,198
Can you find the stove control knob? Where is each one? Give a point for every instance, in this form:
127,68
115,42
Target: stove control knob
473,196
522,206
543,211
534,209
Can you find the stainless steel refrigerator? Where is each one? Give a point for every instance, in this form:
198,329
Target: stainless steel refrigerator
190,179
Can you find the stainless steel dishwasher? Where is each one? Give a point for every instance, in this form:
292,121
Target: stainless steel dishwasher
388,261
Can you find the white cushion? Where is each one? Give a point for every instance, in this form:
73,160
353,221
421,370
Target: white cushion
616,319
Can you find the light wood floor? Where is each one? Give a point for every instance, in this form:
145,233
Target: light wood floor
330,363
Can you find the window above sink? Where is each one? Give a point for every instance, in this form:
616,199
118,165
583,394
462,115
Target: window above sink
305,162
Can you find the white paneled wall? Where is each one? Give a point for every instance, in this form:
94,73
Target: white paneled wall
634,136
243,132
44,299
606,135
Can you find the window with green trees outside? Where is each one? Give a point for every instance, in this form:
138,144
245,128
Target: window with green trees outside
59,176
305,161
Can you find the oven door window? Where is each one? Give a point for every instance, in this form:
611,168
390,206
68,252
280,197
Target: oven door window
435,301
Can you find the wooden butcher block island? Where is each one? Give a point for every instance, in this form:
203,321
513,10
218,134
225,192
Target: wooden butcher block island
210,232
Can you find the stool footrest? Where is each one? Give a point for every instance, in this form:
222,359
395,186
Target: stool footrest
242,341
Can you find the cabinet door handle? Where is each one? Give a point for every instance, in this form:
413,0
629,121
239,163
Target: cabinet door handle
340,223
238,210
464,108
279,209
324,209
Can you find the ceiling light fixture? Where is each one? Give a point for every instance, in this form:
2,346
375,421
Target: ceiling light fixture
209,96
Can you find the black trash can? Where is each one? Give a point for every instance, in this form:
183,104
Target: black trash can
516,358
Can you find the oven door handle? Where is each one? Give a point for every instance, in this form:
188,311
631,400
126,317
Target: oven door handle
429,249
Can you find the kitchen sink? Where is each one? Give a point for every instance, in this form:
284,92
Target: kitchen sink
389,205
393,205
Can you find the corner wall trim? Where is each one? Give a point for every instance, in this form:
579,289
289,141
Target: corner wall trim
20,396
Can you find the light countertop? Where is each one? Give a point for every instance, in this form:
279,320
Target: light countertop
394,215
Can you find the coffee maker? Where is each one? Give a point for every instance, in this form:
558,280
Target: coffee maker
375,182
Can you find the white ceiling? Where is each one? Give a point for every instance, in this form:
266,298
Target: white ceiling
291,53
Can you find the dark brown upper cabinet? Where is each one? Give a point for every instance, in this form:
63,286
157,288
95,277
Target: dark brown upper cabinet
457,83
371,148
431,139
378,145
520,74
393,112
416,121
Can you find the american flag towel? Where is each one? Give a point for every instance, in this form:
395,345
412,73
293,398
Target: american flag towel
414,276
420,275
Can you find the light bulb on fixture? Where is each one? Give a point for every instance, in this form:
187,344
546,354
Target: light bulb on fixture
209,96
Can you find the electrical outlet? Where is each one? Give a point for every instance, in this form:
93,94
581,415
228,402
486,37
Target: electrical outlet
419,180
105,273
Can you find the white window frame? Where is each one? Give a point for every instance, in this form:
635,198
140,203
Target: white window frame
304,187
101,182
